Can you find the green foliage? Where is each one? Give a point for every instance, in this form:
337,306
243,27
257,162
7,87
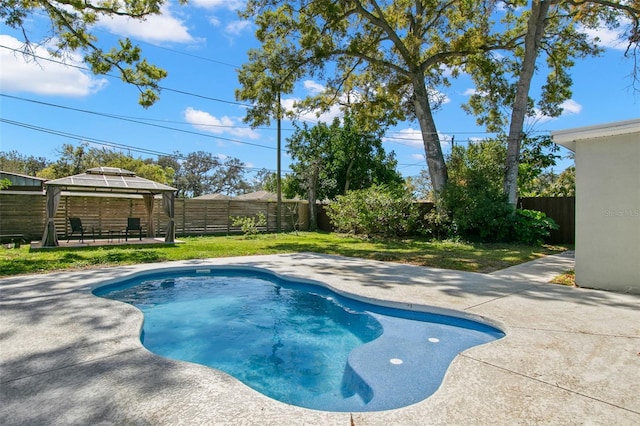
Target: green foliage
531,227
473,205
4,184
331,160
537,154
375,211
15,162
71,24
201,173
78,159
473,199
557,31
249,224
550,184
384,62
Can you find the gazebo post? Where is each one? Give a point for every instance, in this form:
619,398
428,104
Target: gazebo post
148,203
50,238
168,202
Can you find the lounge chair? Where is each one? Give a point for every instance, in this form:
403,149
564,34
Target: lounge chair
76,226
133,224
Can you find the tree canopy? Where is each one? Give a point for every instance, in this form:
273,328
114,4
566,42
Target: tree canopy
336,158
329,160
385,59
71,30
388,59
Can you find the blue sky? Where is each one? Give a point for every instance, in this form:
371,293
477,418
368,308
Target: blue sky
45,104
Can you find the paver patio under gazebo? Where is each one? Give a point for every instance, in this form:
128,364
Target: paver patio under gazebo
109,180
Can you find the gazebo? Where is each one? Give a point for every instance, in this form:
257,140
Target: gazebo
109,180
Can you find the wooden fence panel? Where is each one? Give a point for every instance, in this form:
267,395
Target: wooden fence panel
22,214
560,209
25,214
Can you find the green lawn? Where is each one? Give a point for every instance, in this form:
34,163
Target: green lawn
442,254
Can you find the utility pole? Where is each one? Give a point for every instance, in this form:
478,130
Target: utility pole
279,177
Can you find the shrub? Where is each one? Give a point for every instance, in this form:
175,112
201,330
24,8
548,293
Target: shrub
473,205
378,210
249,224
531,226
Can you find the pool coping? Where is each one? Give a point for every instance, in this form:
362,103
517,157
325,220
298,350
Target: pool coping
569,355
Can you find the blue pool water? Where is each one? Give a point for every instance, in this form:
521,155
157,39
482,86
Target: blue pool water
298,343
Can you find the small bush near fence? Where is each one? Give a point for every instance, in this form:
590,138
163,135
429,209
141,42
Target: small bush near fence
250,225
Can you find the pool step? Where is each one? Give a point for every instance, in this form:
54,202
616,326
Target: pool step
403,366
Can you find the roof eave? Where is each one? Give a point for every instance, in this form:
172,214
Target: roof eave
569,137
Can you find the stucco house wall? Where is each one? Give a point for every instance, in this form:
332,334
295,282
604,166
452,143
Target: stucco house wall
607,204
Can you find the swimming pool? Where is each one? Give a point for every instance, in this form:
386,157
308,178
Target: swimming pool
299,343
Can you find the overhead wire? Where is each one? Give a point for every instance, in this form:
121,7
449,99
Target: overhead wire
139,122
103,142
388,135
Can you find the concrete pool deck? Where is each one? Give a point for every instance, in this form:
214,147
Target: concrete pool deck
570,355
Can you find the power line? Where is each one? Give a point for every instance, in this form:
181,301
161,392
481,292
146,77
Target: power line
122,118
182,92
110,144
87,139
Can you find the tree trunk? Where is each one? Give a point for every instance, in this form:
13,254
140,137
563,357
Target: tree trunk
347,179
312,198
432,148
535,31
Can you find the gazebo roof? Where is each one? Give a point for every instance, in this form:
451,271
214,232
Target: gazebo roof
110,179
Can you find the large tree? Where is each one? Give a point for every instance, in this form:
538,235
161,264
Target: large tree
199,173
388,58
553,30
329,160
384,58
70,26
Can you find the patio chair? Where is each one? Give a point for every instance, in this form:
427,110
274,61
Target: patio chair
133,224
76,226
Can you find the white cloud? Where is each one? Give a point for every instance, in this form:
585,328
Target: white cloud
154,29
409,137
218,4
21,73
569,107
608,38
289,104
413,138
470,92
437,97
418,156
313,87
235,28
206,122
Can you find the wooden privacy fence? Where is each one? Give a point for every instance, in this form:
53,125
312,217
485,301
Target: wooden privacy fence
562,210
22,213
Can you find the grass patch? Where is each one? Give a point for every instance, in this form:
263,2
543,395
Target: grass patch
440,254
